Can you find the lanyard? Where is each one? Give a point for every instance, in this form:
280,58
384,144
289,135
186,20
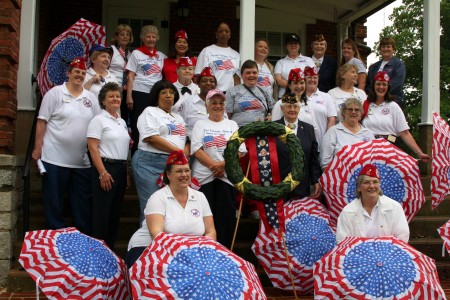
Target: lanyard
266,106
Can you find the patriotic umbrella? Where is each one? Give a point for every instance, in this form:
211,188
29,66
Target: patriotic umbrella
192,267
444,232
399,172
67,264
308,238
440,167
74,42
376,268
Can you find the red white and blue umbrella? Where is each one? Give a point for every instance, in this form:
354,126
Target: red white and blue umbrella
74,42
308,237
440,166
192,267
444,232
376,268
67,264
399,173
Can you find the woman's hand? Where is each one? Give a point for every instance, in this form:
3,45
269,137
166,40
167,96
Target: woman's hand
106,181
423,156
317,190
130,102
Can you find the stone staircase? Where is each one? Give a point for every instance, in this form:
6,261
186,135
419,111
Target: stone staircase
423,227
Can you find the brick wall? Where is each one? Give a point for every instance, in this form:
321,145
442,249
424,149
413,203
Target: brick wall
52,24
9,59
328,29
358,33
204,16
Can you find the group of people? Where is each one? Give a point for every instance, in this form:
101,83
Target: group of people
181,111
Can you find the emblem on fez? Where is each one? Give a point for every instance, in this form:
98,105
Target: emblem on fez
385,111
195,213
87,103
386,77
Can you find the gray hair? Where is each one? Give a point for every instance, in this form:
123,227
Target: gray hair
359,181
149,29
349,102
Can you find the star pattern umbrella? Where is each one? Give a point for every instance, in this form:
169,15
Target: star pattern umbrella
376,268
444,232
308,237
74,42
192,267
399,174
440,166
67,264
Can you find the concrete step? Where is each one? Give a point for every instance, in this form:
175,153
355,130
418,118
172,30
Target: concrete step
443,209
425,226
431,247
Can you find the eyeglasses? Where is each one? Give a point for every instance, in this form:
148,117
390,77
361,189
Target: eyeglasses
373,182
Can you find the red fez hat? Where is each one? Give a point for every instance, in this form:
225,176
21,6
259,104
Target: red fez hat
78,63
186,62
311,71
296,75
207,71
382,76
177,158
181,34
370,170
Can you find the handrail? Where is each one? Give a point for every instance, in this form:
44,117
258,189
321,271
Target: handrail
27,167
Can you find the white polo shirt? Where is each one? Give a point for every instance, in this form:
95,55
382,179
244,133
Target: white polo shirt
178,220
385,119
323,108
155,121
339,97
67,118
112,134
96,87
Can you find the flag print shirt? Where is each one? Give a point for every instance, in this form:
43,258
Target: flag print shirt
212,137
245,107
265,79
169,126
147,69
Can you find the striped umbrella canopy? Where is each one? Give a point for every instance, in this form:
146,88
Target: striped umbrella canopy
74,42
444,232
376,268
192,267
67,264
440,166
308,237
399,176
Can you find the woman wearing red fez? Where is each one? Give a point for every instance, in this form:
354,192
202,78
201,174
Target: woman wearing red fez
176,208
384,117
180,49
144,70
372,214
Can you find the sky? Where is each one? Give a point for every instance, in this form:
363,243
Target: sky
374,28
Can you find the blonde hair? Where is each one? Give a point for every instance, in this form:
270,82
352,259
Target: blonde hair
119,29
359,181
342,70
149,29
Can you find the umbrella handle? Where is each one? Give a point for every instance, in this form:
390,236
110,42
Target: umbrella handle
37,288
443,250
289,265
239,213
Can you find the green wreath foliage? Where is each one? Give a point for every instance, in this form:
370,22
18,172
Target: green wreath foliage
234,171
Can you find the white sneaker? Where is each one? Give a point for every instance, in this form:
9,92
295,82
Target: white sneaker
254,215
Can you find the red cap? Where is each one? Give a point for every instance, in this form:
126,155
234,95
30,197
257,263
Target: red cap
207,71
78,63
370,170
177,158
181,34
311,71
186,62
296,75
382,76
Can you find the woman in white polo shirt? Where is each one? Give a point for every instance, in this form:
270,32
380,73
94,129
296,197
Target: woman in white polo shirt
108,142
176,208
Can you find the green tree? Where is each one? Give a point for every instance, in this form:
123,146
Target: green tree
407,31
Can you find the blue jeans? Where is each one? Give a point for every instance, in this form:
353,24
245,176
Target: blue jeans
76,182
147,167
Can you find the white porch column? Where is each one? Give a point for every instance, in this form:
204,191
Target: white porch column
247,30
25,91
431,60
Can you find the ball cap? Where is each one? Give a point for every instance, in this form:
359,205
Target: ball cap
292,38
101,48
370,170
213,93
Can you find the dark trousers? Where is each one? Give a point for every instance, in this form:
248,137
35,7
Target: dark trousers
222,200
76,182
140,102
133,255
124,112
106,205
